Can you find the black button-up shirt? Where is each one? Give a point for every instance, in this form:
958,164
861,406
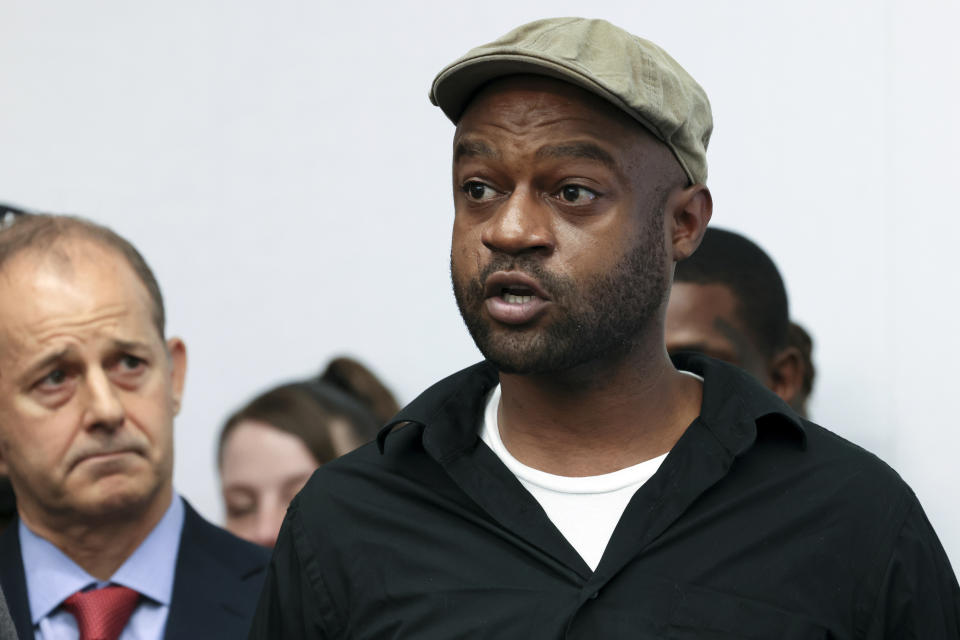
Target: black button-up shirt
757,525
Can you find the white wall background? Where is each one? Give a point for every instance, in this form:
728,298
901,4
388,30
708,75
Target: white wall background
280,166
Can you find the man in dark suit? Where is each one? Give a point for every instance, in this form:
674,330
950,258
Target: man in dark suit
89,387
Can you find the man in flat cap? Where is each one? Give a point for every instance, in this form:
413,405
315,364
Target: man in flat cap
577,483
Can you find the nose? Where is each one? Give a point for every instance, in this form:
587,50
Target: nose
522,224
104,408
268,524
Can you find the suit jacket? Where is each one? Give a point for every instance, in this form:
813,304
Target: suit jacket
7,630
215,585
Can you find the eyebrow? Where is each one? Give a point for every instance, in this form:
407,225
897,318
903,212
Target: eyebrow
578,150
55,357
128,345
47,361
473,149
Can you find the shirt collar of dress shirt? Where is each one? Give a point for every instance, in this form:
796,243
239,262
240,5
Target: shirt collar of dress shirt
734,406
52,576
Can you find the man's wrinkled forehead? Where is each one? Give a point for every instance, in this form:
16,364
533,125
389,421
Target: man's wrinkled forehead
36,271
606,129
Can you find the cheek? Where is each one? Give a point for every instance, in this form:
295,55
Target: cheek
152,422
464,258
150,413
37,448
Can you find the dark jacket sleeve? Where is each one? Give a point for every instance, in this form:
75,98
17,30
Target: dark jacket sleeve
294,603
918,596
7,630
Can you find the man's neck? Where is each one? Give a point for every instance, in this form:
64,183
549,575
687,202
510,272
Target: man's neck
600,417
102,544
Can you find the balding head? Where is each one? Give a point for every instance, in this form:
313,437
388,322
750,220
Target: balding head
49,236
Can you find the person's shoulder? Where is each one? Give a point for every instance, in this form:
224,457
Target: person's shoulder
448,410
830,451
220,545
217,581
829,470
369,469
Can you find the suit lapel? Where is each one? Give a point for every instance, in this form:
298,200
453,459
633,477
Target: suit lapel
216,583
14,581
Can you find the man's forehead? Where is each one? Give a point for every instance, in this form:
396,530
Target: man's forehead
585,127
715,297
70,284
467,147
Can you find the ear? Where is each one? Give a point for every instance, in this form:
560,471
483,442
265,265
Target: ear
178,370
689,210
786,375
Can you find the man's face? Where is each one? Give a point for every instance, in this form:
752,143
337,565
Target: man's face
704,318
558,255
88,389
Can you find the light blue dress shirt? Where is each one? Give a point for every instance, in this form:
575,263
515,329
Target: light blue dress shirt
53,577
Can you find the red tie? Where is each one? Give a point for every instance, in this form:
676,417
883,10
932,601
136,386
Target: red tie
102,613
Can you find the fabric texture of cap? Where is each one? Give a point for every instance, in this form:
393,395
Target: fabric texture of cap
632,73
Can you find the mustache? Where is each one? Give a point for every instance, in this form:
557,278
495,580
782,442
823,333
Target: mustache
529,265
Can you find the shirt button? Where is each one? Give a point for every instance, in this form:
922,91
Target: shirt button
594,595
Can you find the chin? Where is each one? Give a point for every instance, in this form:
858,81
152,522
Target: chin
514,359
119,496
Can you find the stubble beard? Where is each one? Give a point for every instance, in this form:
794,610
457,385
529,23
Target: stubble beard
601,316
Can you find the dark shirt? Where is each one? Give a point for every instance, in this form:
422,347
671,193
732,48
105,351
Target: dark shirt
757,525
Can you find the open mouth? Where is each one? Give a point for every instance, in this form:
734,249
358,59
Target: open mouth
517,295
514,287
514,298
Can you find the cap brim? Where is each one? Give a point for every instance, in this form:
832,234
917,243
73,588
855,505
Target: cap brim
455,86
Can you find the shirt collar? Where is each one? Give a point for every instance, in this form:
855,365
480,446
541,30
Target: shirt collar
52,576
734,405
456,401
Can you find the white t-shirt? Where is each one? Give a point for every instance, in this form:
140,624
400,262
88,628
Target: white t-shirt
587,509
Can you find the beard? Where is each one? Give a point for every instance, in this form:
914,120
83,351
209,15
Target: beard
591,318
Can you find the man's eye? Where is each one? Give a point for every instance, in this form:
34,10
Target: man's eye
130,362
53,379
478,191
575,194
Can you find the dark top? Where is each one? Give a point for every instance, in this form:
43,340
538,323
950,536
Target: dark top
215,584
757,525
7,630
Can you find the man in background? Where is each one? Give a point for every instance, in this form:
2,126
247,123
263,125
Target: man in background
798,338
729,302
8,501
89,388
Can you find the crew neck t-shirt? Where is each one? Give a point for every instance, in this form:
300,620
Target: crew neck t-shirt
584,509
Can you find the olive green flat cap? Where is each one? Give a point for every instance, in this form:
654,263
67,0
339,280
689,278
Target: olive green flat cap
632,73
